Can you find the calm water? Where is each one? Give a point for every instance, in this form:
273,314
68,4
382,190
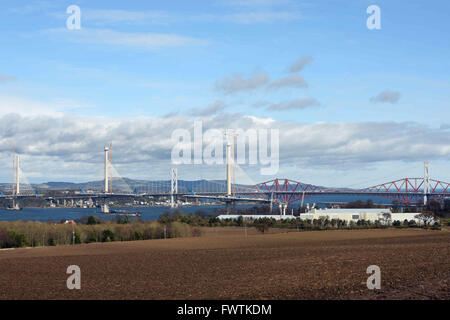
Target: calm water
58,214
148,213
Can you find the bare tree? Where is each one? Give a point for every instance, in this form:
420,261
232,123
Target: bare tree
425,217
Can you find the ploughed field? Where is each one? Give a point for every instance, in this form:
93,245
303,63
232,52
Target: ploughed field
224,263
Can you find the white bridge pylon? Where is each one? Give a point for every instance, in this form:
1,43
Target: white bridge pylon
111,174
20,183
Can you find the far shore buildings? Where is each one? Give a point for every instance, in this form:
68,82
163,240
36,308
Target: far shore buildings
384,216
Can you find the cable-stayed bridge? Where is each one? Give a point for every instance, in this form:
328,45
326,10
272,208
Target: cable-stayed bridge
406,191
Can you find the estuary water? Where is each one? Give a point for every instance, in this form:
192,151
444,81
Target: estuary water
58,214
151,213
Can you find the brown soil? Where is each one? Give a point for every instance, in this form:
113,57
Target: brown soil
225,264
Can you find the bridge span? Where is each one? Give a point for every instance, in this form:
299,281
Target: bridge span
403,191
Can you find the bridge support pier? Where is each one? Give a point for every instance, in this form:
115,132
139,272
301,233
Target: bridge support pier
173,187
229,206
283,208
426,183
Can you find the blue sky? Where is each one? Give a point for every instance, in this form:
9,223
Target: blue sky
163,59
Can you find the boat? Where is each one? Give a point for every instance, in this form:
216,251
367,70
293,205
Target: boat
105,210
123,213
14,208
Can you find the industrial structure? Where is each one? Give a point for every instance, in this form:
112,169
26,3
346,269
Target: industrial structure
384,216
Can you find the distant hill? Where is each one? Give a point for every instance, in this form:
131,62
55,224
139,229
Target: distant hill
129,185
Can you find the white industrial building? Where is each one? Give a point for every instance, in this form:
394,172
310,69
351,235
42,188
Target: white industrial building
256,216
384,216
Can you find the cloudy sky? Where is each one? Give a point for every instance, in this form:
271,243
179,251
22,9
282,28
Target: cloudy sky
354,107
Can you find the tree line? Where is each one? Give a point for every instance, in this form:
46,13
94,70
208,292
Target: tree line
88,230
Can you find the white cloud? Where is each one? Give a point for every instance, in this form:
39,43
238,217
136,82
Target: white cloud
145,142
165,18
245,12
148,41
119,16
30,107
262,17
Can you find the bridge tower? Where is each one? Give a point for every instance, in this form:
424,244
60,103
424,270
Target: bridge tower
17,174
228,170
173,186
231,161
426,182
110,167
106,170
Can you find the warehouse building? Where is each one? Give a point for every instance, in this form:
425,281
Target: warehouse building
256,216
382,215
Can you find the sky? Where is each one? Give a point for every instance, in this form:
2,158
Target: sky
354,107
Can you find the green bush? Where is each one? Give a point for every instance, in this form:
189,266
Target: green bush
122,220
107,235
92,220
91,236
396,223
51,242
412,224
263,224
138,235
77,238
12,239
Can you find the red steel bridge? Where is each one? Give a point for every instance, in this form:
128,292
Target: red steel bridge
404,191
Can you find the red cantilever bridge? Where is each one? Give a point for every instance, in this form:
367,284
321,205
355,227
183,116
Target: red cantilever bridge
404,191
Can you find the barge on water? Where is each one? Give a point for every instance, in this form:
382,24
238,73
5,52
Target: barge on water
105,210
